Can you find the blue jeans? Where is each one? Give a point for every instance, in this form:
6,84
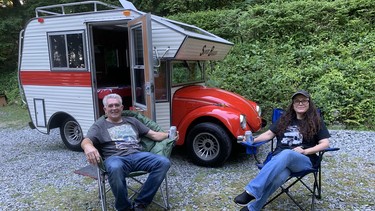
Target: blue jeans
274,174
118,167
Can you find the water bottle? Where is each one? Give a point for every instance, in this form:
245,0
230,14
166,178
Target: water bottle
172,132
249,137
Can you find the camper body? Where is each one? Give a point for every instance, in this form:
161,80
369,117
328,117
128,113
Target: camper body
69,62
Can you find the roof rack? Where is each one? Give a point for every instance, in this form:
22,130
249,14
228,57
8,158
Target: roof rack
73,8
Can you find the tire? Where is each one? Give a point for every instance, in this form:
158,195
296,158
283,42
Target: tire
208,145
71,134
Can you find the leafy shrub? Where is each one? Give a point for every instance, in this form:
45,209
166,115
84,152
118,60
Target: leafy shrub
9,87
325,47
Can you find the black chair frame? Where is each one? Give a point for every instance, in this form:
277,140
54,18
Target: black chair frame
102,184
315,189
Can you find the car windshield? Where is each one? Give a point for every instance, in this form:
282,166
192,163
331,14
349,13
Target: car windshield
187,72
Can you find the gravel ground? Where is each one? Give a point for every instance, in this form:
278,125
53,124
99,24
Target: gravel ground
37,174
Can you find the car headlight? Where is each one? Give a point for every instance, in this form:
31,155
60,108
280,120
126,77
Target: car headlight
259,110
243,121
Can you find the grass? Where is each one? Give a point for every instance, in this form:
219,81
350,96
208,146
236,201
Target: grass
63,198
13,116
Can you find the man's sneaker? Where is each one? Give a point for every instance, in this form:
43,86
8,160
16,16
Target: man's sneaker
127,209
244,209
139,207
243,199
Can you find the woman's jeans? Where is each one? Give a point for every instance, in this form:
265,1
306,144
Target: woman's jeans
118,167
274,174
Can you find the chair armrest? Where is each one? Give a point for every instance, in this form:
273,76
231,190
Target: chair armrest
251,148
163,147
329,149
101,166
256,144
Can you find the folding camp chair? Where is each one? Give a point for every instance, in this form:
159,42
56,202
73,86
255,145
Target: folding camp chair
314,187
134,179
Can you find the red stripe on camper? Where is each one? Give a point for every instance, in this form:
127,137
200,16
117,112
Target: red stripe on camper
47,78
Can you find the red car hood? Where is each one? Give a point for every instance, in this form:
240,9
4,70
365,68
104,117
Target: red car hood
208,95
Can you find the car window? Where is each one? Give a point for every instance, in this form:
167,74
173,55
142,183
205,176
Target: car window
186,72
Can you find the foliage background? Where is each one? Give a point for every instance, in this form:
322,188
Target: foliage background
323,46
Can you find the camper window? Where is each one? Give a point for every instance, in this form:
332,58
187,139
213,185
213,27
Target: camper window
187,72
67,51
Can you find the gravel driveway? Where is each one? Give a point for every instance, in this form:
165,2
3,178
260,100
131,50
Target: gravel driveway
37,174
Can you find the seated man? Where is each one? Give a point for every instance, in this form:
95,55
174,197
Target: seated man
118,139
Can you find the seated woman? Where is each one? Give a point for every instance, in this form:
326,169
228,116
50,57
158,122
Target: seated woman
300,133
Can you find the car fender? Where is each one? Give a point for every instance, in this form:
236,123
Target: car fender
227,116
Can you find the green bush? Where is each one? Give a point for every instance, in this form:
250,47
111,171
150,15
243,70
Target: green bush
325,47
9,87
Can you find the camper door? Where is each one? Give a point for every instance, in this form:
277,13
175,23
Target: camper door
142,80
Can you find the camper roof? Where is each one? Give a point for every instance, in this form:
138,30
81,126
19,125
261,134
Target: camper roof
73,8
97,6
189,30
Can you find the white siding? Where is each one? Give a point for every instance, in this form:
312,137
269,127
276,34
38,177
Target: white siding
164,37
163,116
35,54
75,101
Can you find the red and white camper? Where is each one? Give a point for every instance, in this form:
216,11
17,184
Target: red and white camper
72,55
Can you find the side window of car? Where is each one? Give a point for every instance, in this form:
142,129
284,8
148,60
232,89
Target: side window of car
67,50
187,72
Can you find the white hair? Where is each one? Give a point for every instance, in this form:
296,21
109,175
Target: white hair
113,96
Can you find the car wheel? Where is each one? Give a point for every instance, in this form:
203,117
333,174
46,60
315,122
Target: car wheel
208,144
71,134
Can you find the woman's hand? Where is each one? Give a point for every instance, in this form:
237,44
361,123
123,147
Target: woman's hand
323,144
299,150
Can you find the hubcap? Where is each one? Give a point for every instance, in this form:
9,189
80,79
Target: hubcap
72,132
206,146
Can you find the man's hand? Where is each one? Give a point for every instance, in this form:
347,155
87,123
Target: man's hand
177,136
92,154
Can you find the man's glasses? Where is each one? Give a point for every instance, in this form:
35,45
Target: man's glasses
301,102
115,105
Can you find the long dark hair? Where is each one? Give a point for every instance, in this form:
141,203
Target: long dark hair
309,126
